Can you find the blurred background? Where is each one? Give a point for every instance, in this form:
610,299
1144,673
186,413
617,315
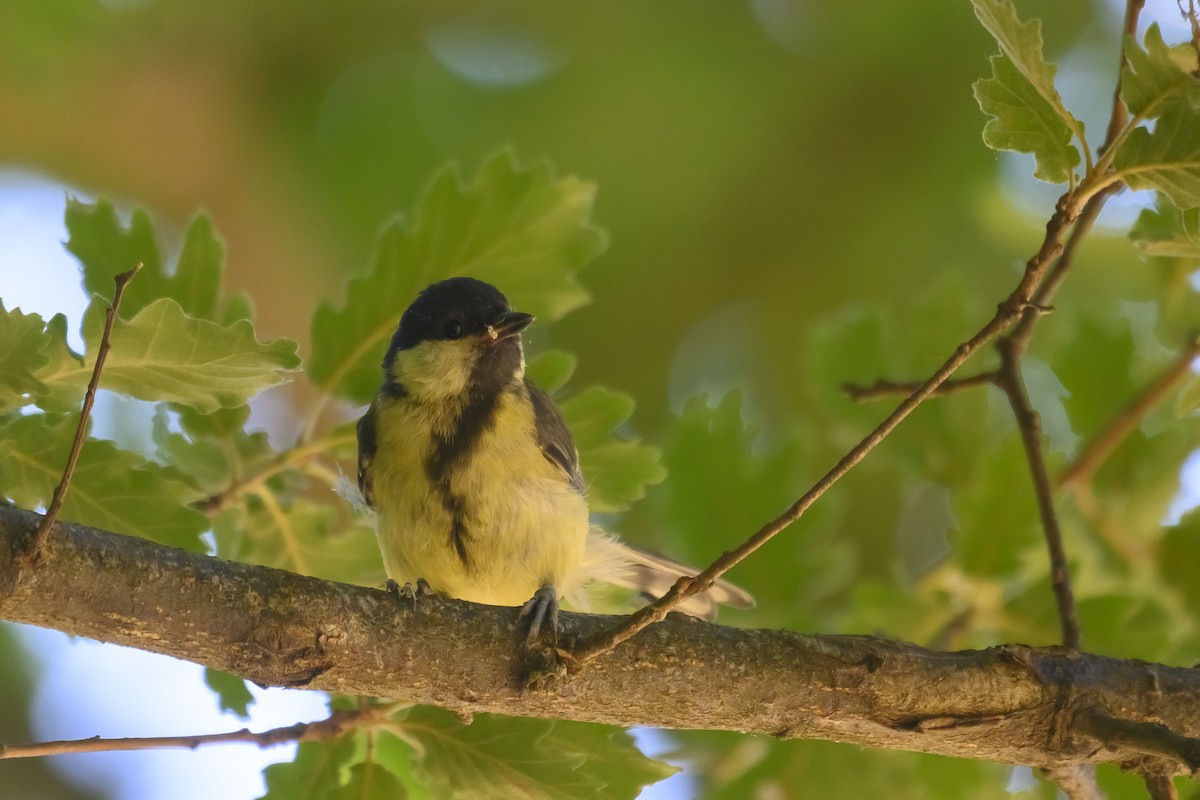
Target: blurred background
769,172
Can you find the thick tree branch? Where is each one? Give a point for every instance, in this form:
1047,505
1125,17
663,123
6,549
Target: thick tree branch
1045,707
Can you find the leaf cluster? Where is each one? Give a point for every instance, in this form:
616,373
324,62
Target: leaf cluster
213,482
424,752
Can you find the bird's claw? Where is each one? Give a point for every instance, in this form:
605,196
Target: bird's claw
408,591
539,618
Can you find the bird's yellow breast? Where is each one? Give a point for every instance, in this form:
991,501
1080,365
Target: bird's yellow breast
522,525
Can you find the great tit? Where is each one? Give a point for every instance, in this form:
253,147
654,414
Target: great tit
474,474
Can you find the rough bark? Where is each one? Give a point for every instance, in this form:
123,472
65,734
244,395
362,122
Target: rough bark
1045,707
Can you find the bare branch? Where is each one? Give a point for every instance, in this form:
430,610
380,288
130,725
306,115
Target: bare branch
1160,786
60,491
337,723
885,388
1077,782
1031,436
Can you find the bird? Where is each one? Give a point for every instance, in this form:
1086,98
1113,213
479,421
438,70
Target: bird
474,476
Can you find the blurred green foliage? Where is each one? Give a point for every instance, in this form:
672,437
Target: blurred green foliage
797,196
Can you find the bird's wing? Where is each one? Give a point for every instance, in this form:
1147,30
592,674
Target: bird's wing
366,454
554,437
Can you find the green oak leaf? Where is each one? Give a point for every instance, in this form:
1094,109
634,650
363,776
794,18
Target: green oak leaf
616,471
23,341
1153,77
111,489
1180,558
1166,159
1157,87
63,378
106,248
212,449
515,757
726,481
1021,119
314,774
1023,95
299,536
997,524
164,354
231,691
1167,232
1188,401
806,768
519,227
370,781
551,370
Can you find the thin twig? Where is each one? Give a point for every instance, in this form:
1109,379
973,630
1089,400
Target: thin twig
1013,347
1007,313
1057,273
1076,781
1098,450
1160,786
1030,426
335,724
1116,120
885,388
1091,210
34,549
298,457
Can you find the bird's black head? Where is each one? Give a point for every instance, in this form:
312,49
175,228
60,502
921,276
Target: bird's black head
450,309
459,309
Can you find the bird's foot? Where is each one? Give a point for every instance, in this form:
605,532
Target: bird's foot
408,591
538,619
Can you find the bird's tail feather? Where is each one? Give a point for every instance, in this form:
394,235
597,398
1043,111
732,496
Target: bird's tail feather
610,560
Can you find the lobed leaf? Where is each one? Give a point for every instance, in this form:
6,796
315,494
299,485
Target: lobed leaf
1156,86
111,489
105,248
1166,159
521,228
23,341
615,470
1167,232
1154,77
299,536
370,781
214,449
164,354
551,370
63,378
1022,47
232,694
315,772
1022,120
510,757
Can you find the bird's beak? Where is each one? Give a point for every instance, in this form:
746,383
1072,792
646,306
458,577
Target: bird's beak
506,326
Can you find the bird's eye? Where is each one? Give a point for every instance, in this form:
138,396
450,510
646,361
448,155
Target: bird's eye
452,329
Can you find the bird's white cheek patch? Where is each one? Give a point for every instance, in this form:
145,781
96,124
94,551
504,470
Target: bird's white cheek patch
434,370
